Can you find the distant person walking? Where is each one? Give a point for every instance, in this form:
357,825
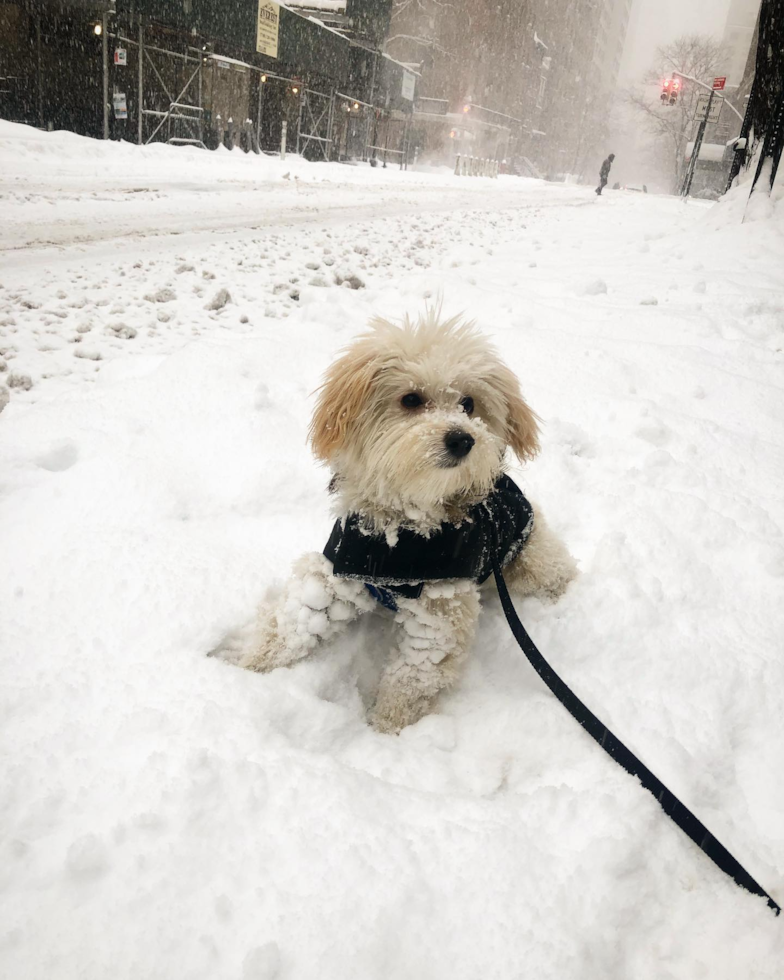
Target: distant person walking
604,173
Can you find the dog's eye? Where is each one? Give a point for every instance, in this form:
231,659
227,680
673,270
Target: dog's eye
467,404
411,400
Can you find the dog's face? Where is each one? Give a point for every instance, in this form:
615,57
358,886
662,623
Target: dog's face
418,417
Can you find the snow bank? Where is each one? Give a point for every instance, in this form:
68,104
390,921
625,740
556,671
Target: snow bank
57,156
60,189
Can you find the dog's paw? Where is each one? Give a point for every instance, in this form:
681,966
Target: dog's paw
264,653
543,569
277,642
393,712
257,661
233,646
383,725
553,590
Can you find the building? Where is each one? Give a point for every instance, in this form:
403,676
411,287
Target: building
204,72
738,36
762,133
611,39
511,79
366,21
716,156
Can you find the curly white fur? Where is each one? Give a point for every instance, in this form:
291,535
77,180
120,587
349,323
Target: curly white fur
314,606
390,464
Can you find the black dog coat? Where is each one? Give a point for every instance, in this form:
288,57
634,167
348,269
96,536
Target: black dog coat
500,525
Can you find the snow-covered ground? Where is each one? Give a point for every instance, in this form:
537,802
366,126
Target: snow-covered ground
164,316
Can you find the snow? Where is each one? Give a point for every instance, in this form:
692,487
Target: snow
228,61
709,152
165,814
331,6
412,69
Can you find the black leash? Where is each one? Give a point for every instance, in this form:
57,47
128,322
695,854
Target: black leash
613,746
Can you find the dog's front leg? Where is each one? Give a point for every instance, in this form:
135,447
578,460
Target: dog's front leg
314,606
435,632
544,567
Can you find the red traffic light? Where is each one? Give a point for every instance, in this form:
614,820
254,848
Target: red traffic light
669,93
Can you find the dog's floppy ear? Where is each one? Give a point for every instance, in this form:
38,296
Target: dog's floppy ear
341,400
522,423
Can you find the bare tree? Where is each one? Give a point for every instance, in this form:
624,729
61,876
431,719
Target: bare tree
696,55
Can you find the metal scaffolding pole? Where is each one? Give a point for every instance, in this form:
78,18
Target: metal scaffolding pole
299,116
406,140
260,109
105,57
330,123
695,153
201,115
140,98
40,73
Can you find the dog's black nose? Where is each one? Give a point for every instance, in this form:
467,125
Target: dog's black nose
458,443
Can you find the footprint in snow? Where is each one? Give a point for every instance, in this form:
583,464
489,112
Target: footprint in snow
654,432
595,288
87,858
164,295
59,457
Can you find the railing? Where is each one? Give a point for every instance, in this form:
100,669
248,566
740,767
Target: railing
187,112
466,166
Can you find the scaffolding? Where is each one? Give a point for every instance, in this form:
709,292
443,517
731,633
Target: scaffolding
138,73
179,121
315,121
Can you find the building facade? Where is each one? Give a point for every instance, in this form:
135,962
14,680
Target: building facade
204,72
762,132
738,36
520,81
738,63
611,39
366,21
526,80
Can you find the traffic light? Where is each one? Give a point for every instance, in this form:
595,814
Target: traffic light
670,89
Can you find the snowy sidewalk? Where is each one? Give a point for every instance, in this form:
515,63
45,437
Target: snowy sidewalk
165,815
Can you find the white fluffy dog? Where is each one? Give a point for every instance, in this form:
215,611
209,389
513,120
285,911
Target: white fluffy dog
414,422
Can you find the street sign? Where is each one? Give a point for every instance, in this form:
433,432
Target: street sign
718,83
120,105
121,56
268,28
702,107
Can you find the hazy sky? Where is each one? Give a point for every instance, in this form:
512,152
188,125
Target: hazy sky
655,22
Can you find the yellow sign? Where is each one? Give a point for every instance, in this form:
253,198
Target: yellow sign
267,28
